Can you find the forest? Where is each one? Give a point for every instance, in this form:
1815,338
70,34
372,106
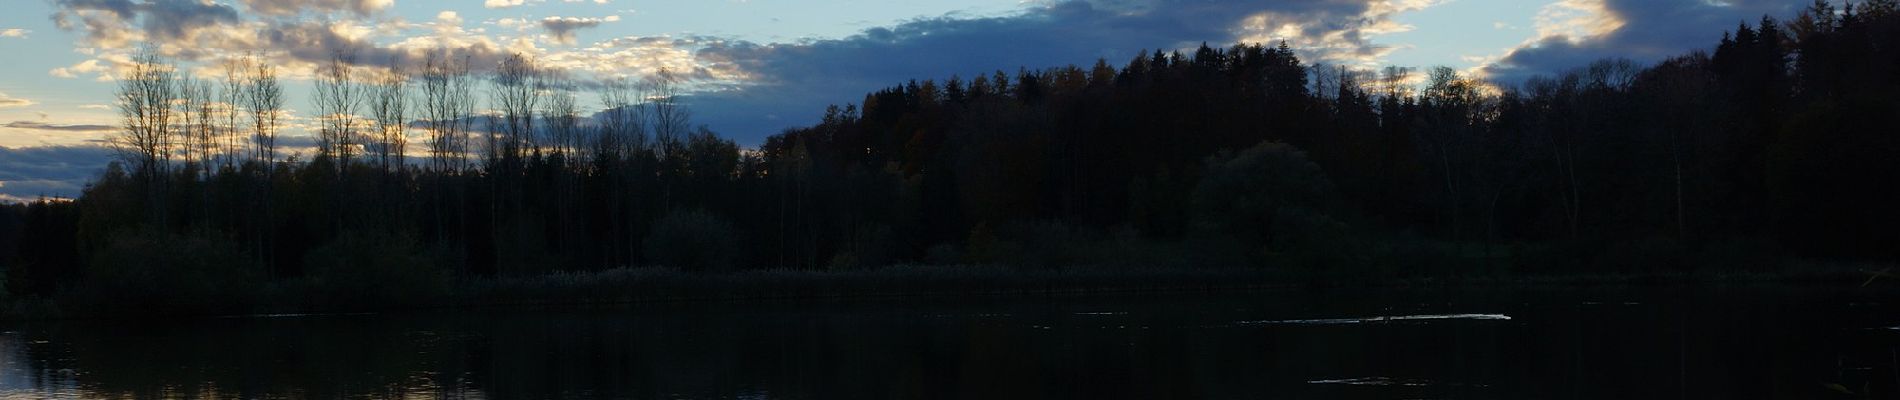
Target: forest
1776,147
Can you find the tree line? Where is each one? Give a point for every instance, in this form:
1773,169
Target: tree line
1777,145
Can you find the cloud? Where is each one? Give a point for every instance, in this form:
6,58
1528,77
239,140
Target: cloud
41,126
102,67
502,3
562,28
161,19
742,88
27,173
1338,39
296,45
14,33
787,83
10,101
636,57
1572,33
295,7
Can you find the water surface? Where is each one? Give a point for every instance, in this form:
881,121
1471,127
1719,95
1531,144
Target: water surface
1663,343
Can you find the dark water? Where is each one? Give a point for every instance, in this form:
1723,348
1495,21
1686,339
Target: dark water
1464,344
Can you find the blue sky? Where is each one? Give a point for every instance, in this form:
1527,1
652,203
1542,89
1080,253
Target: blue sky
765,65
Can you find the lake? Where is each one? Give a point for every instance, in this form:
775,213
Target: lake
1628,343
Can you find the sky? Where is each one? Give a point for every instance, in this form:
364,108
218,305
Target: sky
760,66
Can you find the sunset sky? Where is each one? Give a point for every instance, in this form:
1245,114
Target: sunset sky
758,66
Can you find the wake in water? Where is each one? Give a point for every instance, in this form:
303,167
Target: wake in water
1384,381
1393,318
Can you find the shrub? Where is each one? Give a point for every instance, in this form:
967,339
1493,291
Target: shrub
1030,244
160,272
366,270
870,246
1267,203
943,254
693,240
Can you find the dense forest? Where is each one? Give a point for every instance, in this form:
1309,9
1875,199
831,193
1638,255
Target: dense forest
1779,145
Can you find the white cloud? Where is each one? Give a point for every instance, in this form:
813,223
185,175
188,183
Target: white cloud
503,3
1575,20
1343,39
518,24
1573,33
295,7
14,33
9,101
73,71
798,74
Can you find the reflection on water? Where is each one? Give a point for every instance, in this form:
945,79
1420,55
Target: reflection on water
1657,343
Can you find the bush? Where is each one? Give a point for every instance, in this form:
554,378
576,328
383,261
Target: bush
1032,244
693,240
943,254
158,272
1267,204
871,246
368,270
1304,237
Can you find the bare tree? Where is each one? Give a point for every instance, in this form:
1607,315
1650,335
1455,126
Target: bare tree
562,128
264,98
516,93
185,142
390,104
145,100
198,133
1325,81
1394,82
1612,74
670,120
230,95
448,106
621,142
561,115
337,98
623,128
